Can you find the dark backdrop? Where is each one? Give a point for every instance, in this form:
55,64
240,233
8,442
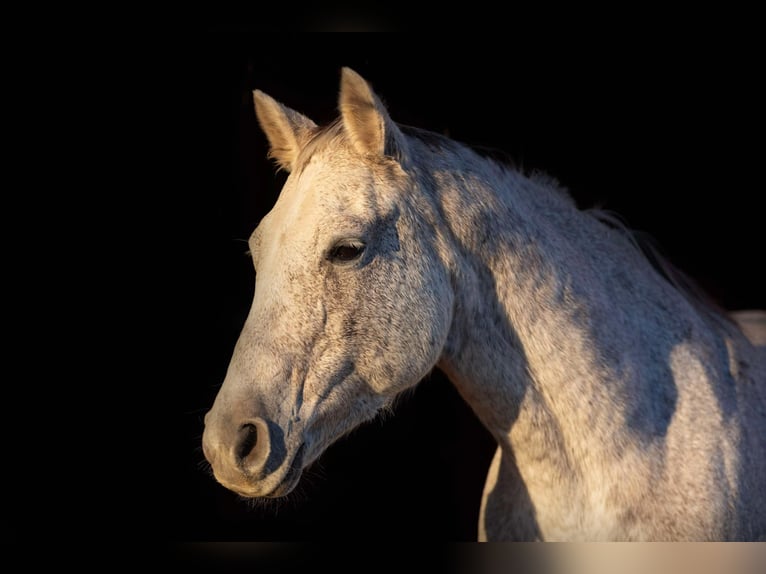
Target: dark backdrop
667,138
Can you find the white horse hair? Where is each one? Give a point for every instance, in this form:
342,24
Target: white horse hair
623,408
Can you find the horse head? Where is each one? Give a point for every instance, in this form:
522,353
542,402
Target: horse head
352,303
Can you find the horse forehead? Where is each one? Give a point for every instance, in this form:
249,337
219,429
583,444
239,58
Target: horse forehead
325,189
340,181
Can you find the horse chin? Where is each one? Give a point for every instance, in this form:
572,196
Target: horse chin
291,479
285,487
271,486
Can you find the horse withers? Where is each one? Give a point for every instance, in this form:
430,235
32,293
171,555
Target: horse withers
624,408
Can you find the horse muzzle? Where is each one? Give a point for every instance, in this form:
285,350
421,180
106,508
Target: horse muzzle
250,457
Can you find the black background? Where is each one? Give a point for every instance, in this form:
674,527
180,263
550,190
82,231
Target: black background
669,136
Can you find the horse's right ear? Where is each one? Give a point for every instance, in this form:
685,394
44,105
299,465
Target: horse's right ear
287,130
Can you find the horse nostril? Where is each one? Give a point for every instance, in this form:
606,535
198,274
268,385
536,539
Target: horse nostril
259,447
248,438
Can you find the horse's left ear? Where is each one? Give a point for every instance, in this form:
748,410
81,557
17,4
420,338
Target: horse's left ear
366,120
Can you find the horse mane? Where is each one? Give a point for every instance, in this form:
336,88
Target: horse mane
643,243
650,250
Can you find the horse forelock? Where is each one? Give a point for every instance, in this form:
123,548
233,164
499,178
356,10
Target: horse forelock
328,135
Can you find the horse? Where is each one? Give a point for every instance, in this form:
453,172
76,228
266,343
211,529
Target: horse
624,407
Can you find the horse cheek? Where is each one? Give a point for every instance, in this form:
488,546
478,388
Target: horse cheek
419,342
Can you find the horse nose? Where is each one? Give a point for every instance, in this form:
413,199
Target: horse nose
250,450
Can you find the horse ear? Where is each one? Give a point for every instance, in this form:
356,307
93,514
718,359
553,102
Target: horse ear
365,118
287,130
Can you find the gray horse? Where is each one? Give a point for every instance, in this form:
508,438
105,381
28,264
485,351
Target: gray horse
623,407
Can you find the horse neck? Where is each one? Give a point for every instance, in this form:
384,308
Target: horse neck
554,313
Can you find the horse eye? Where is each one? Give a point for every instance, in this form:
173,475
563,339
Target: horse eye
347,251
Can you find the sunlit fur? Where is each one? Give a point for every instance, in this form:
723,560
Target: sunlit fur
622,408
